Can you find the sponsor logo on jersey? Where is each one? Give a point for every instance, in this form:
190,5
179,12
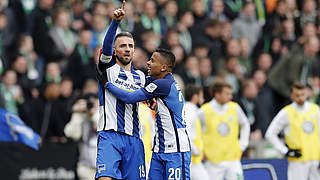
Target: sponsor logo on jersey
126,85
151,87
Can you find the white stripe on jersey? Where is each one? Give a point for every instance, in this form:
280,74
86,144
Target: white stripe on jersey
128,82
170,139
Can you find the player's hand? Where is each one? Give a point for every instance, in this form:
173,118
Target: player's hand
119,13
294,153
101,77
152,103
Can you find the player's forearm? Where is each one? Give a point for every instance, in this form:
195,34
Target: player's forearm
107,46
244,136
125,96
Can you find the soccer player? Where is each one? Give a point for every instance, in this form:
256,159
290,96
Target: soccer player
120,152
222,122
171,149
194,97
300,122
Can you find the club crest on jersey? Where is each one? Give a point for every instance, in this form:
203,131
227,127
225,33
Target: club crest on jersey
308,127
151,87
101,167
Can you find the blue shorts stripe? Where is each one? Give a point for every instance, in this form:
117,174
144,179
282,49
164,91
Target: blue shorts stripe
120,108
161,134
135,120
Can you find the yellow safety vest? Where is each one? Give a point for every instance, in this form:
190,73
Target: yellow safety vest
145,115
220,138
303,132
198,142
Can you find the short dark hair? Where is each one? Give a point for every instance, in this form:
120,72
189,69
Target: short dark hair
298,85
123,34
191,90
168,56
218,87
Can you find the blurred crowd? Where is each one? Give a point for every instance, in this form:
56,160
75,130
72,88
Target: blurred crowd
48,52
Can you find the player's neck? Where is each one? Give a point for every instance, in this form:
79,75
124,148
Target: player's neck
161,76
125,67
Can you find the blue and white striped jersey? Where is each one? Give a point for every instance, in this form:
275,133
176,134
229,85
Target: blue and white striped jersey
115,114
171,134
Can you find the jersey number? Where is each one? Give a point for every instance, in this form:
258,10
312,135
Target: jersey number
142,171
174,174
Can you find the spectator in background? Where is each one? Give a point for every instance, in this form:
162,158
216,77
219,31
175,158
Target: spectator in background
11,91
198,8
230,71
266,110
246,25
274,20
128,22
40,23
9,28
78,16
180,59
226,32
81,63
52,74
149,20
82,127
140,59
207,78
217,11
34,61
226,133
150,41
194,98
308,14
245,56
44,104
191,74
211,37
65,100
98,30
186,21
264,62
288,37
61,33
171,39
168,15
232,8
232,49
298,65
247,100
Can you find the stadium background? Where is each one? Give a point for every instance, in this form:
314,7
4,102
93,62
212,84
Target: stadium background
48,50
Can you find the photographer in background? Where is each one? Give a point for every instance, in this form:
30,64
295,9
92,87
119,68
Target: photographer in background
82,127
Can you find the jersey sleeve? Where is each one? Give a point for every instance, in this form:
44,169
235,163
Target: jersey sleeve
158,88
126,96
105,56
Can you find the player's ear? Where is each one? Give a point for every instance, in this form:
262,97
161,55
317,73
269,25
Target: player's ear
164,68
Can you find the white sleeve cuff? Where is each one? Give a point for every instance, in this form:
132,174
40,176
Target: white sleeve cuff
105,58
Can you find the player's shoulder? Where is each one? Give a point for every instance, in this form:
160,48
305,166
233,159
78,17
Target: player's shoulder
158,85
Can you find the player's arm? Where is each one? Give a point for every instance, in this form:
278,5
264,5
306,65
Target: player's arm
107,47
279,122
155,89
201,116
244,129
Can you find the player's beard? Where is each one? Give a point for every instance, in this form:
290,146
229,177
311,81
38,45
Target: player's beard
123,61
